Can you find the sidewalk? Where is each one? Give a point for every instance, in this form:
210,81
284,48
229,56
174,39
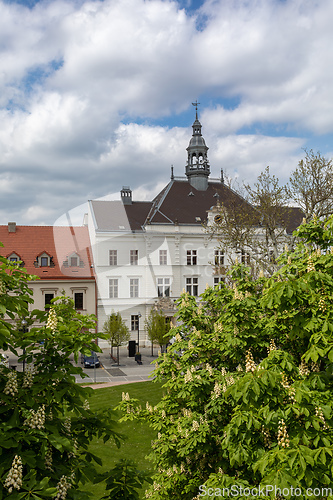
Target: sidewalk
128,370
110,373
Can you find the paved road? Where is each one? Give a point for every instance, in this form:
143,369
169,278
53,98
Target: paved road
110,373
127,371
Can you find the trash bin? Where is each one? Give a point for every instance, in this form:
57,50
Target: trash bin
131,348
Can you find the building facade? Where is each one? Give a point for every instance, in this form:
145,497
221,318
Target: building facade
60,258
146,253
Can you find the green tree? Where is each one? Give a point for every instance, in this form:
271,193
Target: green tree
158,328
124,481
311,185
248,383
116,330
45,421
257,222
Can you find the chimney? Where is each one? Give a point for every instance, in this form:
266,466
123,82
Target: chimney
126,195
12,227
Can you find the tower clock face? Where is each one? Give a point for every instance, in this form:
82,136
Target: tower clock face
218,219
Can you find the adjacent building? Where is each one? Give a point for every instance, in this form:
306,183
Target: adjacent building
60,258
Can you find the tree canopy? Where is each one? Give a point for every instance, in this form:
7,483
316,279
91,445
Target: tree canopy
158,327
248,383
46,424
116,329
263,224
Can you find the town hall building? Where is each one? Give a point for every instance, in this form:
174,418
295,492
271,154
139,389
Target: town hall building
146,253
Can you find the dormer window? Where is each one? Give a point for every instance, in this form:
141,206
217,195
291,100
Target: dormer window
44,260
74,261
13,257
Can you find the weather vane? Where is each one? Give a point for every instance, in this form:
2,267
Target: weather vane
195,104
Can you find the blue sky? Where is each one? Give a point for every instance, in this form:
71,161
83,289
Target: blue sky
95,95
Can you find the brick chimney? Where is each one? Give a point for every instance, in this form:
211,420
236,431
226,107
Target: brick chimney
12,227
126,195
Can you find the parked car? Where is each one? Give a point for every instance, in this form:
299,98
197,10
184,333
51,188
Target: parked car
91,360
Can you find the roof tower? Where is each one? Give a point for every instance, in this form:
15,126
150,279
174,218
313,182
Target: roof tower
197,167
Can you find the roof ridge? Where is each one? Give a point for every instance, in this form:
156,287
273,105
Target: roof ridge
157,204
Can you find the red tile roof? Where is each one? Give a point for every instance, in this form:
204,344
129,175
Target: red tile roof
58,242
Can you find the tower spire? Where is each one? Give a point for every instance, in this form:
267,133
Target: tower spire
196,108
197,168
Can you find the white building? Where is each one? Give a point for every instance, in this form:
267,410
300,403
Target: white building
149,252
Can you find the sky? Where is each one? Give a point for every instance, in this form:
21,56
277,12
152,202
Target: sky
97,95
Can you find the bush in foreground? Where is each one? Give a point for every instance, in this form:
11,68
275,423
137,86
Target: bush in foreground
248,384
45,421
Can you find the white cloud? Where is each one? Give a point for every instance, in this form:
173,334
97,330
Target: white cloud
246,156
82,82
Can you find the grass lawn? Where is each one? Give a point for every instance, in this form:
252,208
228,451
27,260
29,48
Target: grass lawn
139,435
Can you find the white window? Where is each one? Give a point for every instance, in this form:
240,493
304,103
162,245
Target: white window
218,280
192,286
163,257
134,257
163,287
13,258
113,288
44,261
74,261
191,257
113,260
134,322
48,298
134,287
219,257
245,257
78,300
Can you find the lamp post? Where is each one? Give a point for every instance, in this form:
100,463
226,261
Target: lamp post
118,351
24,330
139,316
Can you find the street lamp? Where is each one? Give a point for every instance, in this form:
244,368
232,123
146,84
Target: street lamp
24,330
139,316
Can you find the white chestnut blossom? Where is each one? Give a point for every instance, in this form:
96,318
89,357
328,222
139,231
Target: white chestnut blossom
250,365
52,320
48,459
11,386
63,486
15,474
303,368
28,377
68,425
272,346
86,405
209,369
319,413
188,376
36,419
283,437
195,425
